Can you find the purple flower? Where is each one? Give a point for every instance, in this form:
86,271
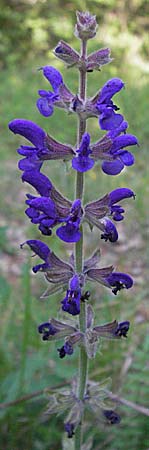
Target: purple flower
97,210
48,99
47,330
30,131
57,271
112,416
70,232
48,212
54,330
122,329
121,157
66,349
71,303
118,281
108,278
39,181
42,211
110,232
42,250
69,428
32,162
108,118
112,330
116,196
83,162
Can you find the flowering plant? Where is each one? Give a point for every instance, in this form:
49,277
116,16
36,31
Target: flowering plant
49,210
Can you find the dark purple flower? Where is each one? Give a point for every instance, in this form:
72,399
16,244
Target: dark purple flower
118,281
112,416
71,303
116,196
55,328
83,162
48,99
48,212
108,118
40,249
66,349
116,131
69,428
109,278
121,157
97,210
110,232
122,329
70,232
30,131
112,330
42,211
39,181
46,329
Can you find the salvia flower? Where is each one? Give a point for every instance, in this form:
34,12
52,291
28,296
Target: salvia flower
122,329
112,330
112,150
118,281
60,95
68,347
42,211
121,157
109,231
112,417
42,250
108,118
83,162
55,329
70,232
73,419
114,280
71,303
97,210
57,271
116,196
48,212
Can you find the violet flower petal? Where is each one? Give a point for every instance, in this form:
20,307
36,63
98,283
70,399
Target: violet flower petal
112,167
127,158
110,233
110,88
29,130
39,181
45,107
68,233
119,194
53,76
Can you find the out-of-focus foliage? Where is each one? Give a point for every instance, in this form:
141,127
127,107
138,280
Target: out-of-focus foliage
31,27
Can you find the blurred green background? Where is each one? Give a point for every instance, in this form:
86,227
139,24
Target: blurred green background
29,30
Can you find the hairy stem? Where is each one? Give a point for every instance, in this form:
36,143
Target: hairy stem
83,360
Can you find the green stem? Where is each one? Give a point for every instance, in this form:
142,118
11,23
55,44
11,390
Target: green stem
83,360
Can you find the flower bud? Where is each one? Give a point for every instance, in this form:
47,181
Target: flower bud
86,25
66,53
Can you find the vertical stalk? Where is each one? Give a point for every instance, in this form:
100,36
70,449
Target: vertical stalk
83,360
